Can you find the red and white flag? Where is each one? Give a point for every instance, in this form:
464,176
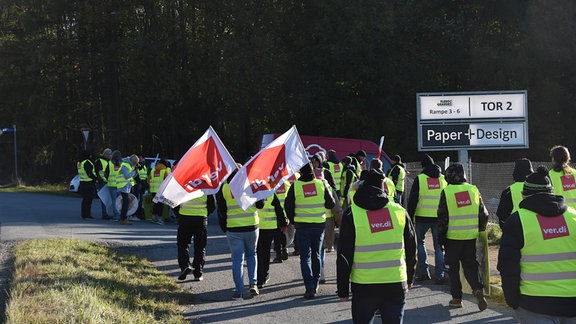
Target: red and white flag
200,172
263,174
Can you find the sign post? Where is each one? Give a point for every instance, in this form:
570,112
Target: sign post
465,121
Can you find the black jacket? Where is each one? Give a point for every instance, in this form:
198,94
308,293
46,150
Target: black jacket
433,171
547,205
370,198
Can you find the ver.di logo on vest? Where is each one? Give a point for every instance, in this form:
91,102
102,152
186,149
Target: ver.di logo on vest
433,183
568,182
463,199
379,220
309,190
552,227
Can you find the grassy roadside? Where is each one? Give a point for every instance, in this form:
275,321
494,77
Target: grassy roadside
51,189
72,281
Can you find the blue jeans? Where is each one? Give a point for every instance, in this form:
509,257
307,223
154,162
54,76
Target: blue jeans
422,268
112,208
243,243
310,245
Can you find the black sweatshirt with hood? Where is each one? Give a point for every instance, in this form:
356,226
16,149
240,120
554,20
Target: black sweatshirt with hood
547,205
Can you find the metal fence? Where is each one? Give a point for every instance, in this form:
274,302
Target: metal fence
490,178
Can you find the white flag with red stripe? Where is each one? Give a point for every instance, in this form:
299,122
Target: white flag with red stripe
263,174
200,172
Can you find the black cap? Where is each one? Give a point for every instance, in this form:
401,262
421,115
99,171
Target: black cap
455,174
537,182
427,160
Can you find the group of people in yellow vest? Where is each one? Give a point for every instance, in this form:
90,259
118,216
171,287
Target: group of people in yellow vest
537,256
118,178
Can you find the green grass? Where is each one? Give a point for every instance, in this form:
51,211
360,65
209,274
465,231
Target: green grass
52,189
72,281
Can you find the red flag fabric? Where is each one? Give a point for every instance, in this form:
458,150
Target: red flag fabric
200,172
264,173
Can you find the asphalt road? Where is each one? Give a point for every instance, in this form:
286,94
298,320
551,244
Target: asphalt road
38,216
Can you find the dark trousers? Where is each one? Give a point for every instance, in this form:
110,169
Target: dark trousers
87,190
462,251
188,227
366,303
279,242
158,209
263,252
125,205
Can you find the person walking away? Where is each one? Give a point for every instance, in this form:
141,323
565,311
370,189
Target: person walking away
398,174
348,177
102,166
320,172
377,253
272,220
141,186
335,167
461,215
423,205
113,170
241,228
306,203
87,187
124,183
193,222
155,179
562,175
281,236
511,197
536,258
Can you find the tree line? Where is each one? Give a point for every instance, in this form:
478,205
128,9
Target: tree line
150,76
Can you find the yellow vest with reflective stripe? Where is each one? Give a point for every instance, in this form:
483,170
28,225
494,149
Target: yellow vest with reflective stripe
463,203
143,173
516,194
569,193
120,180
194,207
379,255
336,170
548,266
310,202
112,174
429,195
281,192
389,186
267,215
236,216
82,172
156,178
401,176
102,172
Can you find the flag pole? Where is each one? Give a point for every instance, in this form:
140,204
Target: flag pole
16,158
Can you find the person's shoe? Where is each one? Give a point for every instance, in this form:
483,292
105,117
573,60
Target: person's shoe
198,278
423,278
296,252
237,296
125,222
277,259
441,281
310,293
184,273
159,221
322,281
482,304
455,303
328,250
284,254
254,290
106,217
89,217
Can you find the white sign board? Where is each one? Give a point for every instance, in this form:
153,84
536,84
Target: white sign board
472,106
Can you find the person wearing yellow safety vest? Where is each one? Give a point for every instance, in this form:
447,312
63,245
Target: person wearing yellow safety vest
563,177
423,206
321,172
536,258
242,230
461,215
155,179
102,171
124,179
335,167
193,222
376,252
348,177
305,205
398,174
141,185
272,220
87,187
511,197
280,238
